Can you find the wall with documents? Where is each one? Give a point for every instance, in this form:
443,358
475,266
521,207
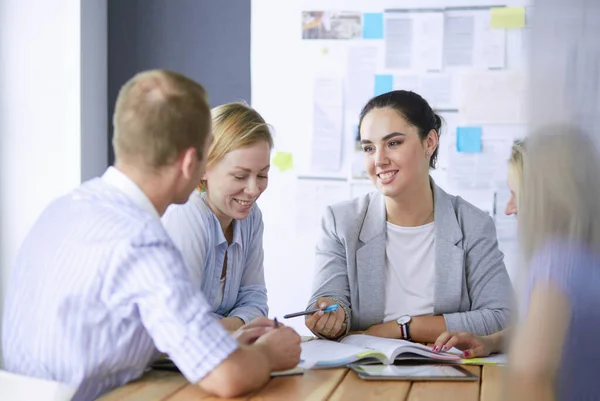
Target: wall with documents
316,63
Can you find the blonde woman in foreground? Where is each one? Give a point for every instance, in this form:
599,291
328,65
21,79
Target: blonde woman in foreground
554,352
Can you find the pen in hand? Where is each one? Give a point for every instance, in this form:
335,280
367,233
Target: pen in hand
276,323
330,308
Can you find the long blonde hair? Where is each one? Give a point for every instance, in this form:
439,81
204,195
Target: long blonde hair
562,189
235,125
515,165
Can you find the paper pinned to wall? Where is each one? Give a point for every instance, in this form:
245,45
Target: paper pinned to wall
362,65
486,170
383,84
508,17
436,88
373,26
313,196
468,140
326,155
398,40
459,39
494,97
283,161
414,39
480,198
470,42
429,35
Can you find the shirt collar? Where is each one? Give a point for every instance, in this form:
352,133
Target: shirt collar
119,180
218,232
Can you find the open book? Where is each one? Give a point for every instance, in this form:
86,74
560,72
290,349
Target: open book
365,348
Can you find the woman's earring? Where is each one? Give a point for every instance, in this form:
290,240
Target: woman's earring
428,153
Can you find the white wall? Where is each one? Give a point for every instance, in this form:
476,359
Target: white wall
52,108
283,69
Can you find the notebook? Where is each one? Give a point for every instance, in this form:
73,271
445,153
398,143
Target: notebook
366,349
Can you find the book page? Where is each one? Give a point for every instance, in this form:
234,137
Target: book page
392,347
332,353
385,346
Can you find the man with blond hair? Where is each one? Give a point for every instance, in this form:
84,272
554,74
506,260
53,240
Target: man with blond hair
99,289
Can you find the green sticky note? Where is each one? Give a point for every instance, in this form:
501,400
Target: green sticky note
508,17
284,161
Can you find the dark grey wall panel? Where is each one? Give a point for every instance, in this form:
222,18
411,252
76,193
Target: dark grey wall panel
207,40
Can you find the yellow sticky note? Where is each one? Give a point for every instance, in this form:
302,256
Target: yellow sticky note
508,17
283,160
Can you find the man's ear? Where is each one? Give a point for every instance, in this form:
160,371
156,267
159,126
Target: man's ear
188,160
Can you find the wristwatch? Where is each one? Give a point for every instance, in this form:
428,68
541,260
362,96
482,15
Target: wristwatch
403,322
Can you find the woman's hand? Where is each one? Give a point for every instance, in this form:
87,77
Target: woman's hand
471,345
331,324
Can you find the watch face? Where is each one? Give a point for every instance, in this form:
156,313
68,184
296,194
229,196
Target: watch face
403,319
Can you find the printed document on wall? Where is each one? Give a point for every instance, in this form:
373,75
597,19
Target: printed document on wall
470,42
484,170
398,36
312,198
414,40
494,97
362,65
326,152
435,87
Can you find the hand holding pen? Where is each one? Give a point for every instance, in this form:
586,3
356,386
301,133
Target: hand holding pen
328,324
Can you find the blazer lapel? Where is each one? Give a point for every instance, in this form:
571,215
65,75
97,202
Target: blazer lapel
449,256
370,263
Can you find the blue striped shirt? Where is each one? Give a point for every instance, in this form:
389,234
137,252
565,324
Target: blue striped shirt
197,233
98,288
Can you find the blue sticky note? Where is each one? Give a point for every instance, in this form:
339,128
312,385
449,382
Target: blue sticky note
468,139
383,84
373,26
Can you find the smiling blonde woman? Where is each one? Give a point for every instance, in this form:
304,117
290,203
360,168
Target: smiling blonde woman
219,231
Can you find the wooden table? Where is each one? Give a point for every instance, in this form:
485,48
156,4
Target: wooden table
333,384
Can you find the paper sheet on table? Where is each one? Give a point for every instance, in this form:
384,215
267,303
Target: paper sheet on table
362,65
414,40
494,97
326,151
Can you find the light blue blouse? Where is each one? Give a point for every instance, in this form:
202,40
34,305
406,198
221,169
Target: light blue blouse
196,232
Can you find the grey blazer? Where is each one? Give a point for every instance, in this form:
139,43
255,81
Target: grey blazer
472,288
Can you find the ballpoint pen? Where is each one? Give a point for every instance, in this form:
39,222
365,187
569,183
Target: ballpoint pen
330,308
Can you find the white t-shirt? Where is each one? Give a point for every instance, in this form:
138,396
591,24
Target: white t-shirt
409,271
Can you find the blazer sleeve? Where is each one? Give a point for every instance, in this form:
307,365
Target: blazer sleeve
488,284
331,274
